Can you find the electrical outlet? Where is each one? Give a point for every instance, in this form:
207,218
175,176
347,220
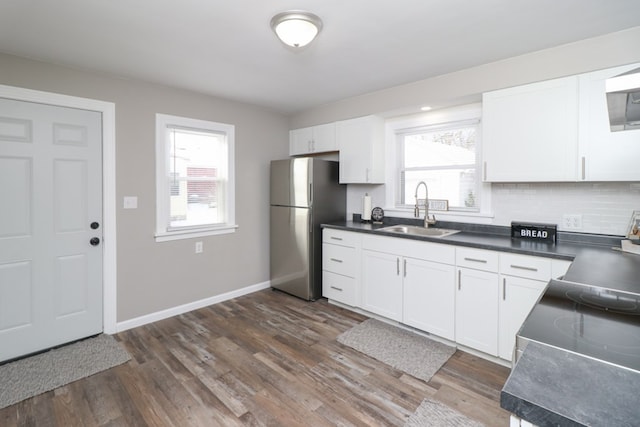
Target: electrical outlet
572,222
199,247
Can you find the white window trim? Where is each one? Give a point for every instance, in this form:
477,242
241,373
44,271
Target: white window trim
401,125
162,190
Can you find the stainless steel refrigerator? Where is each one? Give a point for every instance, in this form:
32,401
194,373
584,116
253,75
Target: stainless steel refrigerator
304,194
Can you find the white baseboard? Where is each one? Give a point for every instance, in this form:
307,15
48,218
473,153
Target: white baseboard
174,311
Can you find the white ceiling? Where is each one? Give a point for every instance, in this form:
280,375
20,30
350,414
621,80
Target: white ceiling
226,47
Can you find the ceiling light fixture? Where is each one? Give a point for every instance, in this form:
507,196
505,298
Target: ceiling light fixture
296,28
426,108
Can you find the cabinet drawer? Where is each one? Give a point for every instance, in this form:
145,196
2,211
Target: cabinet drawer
339,288
339,259
530,267
477,259
435,252
339,237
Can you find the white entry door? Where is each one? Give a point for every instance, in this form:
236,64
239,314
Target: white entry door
50,226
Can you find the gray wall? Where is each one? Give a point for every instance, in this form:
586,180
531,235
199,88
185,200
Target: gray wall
467,85
156,276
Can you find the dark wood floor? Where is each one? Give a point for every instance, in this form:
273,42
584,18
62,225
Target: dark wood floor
265,359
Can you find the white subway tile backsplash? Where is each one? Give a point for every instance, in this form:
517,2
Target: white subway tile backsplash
605,207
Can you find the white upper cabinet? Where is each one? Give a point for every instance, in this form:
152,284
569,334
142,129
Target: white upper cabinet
530,133
314,139
604,155
557,130
361,145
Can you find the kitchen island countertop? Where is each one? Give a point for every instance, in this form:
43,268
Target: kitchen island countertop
552,387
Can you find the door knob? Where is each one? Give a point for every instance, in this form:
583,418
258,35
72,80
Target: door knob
94,241
94,225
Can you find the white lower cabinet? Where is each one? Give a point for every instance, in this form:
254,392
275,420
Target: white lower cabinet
477,310
429,297
411,282
475,297
518,296
382,284
341,266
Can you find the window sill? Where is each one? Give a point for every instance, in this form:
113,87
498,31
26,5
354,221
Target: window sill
189,234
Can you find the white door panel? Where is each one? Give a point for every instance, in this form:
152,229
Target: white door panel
51,191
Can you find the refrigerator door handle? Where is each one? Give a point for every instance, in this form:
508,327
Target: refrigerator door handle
310,201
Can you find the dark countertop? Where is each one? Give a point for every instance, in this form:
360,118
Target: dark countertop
550,386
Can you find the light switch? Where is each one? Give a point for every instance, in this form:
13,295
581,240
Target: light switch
130,202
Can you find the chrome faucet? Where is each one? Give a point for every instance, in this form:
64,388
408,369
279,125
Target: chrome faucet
416,211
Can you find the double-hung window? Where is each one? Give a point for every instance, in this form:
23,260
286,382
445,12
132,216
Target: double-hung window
445,157
194,178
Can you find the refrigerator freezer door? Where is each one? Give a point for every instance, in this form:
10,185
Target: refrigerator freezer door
291,182
291,248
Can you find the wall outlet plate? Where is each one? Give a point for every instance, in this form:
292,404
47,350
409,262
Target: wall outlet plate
572,222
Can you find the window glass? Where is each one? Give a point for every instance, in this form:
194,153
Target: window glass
197,167
195,180
445,158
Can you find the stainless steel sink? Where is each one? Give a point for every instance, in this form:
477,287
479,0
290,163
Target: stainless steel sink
419,231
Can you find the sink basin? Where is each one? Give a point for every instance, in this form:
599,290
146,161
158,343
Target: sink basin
415,230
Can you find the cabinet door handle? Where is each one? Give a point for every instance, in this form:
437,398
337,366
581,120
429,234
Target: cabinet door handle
336,238
584,160
459,279
484,261
521,267
405,268
484,171
398,266
504,289
336,260
366,178
336,288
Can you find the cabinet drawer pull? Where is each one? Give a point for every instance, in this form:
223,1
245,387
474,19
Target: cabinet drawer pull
336,260
336,288
484,261
521,267
336,238
504,289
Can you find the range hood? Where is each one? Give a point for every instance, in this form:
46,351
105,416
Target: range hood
623,101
